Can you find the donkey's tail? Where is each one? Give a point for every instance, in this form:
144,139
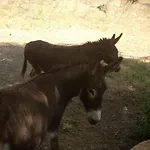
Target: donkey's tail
24,67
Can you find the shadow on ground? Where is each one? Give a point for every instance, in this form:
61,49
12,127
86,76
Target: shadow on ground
11,61
123,102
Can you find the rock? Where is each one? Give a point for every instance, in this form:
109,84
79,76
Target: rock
145,145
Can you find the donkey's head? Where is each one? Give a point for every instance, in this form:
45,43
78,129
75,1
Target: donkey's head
93,95
110,52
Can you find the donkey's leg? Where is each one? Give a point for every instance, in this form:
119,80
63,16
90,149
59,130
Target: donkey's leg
54,140
63,99
55,124
63,95
1,146
7,147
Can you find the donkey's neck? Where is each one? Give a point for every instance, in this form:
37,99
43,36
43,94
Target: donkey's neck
64,75
68,81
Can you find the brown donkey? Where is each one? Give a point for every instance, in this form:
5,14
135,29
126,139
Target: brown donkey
43,55
28,110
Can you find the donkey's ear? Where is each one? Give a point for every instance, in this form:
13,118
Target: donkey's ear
117,39
113,37
113,66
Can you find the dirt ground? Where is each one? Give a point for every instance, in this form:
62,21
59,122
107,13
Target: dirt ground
122,101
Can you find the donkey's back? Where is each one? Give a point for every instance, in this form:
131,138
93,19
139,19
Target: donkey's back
43,55
23,118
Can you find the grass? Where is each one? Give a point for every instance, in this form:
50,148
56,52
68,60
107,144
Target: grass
140,77
143,122
135,80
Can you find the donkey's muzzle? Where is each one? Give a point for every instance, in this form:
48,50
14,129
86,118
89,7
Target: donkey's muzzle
94,116
92,121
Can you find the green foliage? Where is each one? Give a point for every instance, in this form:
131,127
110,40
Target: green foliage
67,125
144,122
138,75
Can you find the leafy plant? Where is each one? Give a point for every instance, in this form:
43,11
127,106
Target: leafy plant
144,122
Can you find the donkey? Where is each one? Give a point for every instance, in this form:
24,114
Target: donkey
90,88
30,109
43,55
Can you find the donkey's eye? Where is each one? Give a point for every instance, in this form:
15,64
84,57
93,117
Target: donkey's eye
91,91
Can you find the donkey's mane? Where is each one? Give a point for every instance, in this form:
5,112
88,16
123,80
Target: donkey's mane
62,68
51,71
100,41
58,69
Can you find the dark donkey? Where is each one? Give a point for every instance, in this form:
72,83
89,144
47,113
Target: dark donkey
43,55
29,109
